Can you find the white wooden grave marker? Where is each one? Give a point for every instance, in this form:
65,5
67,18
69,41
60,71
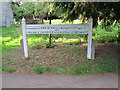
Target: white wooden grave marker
57,29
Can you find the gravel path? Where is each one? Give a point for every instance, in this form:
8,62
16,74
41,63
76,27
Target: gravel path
59,81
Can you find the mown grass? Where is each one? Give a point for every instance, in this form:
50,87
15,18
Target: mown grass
11,39
11,36
86,67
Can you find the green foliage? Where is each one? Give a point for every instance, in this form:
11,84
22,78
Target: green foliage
47,10
29,8
36,41
38,69
41,68
115,42
106,66
107,11
26,8
48,69
18,13
10,37
110,33
97,67
10,70
77,70
43,8
104,10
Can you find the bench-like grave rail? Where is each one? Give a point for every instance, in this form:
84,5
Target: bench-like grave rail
59,29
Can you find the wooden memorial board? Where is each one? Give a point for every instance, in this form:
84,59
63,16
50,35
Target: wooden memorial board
57,29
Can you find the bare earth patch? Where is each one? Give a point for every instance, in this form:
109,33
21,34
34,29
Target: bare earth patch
61,56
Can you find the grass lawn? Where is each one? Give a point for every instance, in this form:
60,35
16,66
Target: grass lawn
67,57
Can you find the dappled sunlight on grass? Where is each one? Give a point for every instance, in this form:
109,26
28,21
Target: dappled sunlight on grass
35,41
14,41
68,56
10,41
59,21
10,37
68,41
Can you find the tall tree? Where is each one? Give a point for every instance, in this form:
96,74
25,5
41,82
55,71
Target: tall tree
104,10
28,8
47,10
22,9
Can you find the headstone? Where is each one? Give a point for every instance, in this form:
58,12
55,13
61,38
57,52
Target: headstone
22,49
17,22
39,22
33,17
14,21
20,21
41,18
7,22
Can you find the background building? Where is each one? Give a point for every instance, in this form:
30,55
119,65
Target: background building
6,14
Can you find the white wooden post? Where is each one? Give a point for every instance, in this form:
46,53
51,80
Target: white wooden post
24,38
89,51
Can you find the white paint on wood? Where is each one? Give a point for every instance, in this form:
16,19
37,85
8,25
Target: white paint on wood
57,29
24,38
89,40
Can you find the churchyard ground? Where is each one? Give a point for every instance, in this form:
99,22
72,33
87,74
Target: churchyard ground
67,56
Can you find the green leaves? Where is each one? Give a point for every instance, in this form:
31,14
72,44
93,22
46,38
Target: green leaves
26,8
106,11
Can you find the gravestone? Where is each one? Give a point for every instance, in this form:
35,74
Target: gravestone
32,19
22,49
7,22
14,20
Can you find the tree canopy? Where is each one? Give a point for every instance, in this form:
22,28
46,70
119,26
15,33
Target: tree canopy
37,8
47,10
109,11
20,10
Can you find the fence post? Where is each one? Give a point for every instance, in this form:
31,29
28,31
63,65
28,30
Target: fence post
89,50
25,46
